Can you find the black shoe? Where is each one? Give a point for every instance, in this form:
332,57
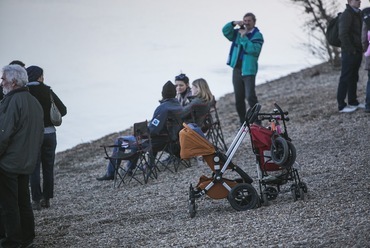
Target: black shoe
104,178
45,203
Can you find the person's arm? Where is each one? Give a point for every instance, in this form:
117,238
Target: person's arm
364,37
61,107
158,121
345,31
228,31
252,46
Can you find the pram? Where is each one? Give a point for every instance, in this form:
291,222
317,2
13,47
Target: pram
275,155
239,191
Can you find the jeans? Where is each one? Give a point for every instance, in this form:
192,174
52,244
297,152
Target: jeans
367,103
244,88
347,86
158,143
116,150
17,218
46,160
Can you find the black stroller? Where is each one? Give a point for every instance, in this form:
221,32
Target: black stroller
275,155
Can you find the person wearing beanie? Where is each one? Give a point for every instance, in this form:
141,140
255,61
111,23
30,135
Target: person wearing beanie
157,129
35,73
41,194
183,89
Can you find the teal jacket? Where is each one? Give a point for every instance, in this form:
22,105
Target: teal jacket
248,48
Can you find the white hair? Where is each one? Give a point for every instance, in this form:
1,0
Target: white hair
16,74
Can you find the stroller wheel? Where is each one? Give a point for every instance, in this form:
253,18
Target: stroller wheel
279,150
292,155
271,193
243,196
192,209
252,113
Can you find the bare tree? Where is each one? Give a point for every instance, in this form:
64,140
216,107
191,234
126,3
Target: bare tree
319,13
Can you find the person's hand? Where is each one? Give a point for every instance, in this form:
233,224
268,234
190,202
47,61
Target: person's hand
243,32
240,23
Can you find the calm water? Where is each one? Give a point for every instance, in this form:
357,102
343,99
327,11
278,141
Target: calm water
107,60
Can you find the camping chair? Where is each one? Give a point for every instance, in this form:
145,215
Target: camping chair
172,148
211,127
138,152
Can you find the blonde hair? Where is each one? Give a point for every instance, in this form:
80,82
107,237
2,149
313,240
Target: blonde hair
204,91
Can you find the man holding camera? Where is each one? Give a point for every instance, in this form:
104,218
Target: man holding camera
245,49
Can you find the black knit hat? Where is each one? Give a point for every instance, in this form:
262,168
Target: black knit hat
34,72
168,90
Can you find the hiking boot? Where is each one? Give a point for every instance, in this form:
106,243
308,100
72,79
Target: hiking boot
36,205
45,203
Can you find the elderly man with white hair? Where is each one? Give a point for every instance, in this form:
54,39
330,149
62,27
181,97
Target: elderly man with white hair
21,135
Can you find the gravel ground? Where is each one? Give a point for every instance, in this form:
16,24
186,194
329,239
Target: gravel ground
332,150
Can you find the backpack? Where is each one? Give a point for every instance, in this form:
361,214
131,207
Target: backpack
332,32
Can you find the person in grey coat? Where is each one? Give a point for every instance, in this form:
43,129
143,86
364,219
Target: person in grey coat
21,135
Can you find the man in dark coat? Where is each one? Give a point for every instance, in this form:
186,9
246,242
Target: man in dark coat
21,125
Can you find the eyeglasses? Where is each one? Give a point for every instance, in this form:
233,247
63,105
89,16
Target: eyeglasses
181,77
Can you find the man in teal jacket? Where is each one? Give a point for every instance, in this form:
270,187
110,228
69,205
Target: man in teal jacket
245,49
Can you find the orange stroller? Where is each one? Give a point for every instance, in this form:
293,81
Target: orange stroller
239,191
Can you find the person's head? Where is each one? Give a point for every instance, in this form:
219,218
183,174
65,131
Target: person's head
201,89
354,3
168,90
17,62
182,83
13,77
249,20
35,73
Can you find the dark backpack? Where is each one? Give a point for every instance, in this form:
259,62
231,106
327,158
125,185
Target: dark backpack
332,32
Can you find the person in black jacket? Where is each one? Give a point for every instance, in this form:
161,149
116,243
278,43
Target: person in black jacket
21,125
157,128
41,196
349,27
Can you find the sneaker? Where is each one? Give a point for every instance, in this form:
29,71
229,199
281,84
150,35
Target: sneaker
360,105
45,203
36,205
348,109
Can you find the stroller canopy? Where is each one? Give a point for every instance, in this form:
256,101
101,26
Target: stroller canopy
193,144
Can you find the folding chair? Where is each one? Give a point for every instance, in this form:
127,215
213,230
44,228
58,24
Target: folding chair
171,152
174,125
137,152
212,128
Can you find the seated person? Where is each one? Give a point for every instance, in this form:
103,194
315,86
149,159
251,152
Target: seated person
200,103
157,128
183,89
